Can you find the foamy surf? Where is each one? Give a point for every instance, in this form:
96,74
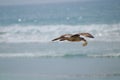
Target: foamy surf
67,76
55,55
45,33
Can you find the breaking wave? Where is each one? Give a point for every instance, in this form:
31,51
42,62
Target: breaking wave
44,33
55,55
93,75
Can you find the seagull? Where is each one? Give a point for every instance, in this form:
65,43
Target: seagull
74,37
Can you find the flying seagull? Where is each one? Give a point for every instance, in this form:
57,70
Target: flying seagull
74,37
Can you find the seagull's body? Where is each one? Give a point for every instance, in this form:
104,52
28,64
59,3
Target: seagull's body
74,37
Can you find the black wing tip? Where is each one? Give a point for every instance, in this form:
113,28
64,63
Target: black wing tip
92,37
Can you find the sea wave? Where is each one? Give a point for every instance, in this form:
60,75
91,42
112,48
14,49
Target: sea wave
45,33
55,55
92,75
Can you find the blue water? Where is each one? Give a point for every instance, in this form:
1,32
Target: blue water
75,13
27,52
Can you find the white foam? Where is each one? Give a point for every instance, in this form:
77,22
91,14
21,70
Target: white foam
53,54
105,55
49,54
20,33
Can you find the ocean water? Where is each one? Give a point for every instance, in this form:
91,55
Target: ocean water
27,52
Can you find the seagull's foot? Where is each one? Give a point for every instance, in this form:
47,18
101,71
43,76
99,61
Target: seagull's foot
84,44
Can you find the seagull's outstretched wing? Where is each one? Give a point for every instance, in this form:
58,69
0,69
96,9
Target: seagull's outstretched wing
66,35
62,36
84,34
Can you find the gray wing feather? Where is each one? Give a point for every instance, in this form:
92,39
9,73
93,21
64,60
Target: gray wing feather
62,36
